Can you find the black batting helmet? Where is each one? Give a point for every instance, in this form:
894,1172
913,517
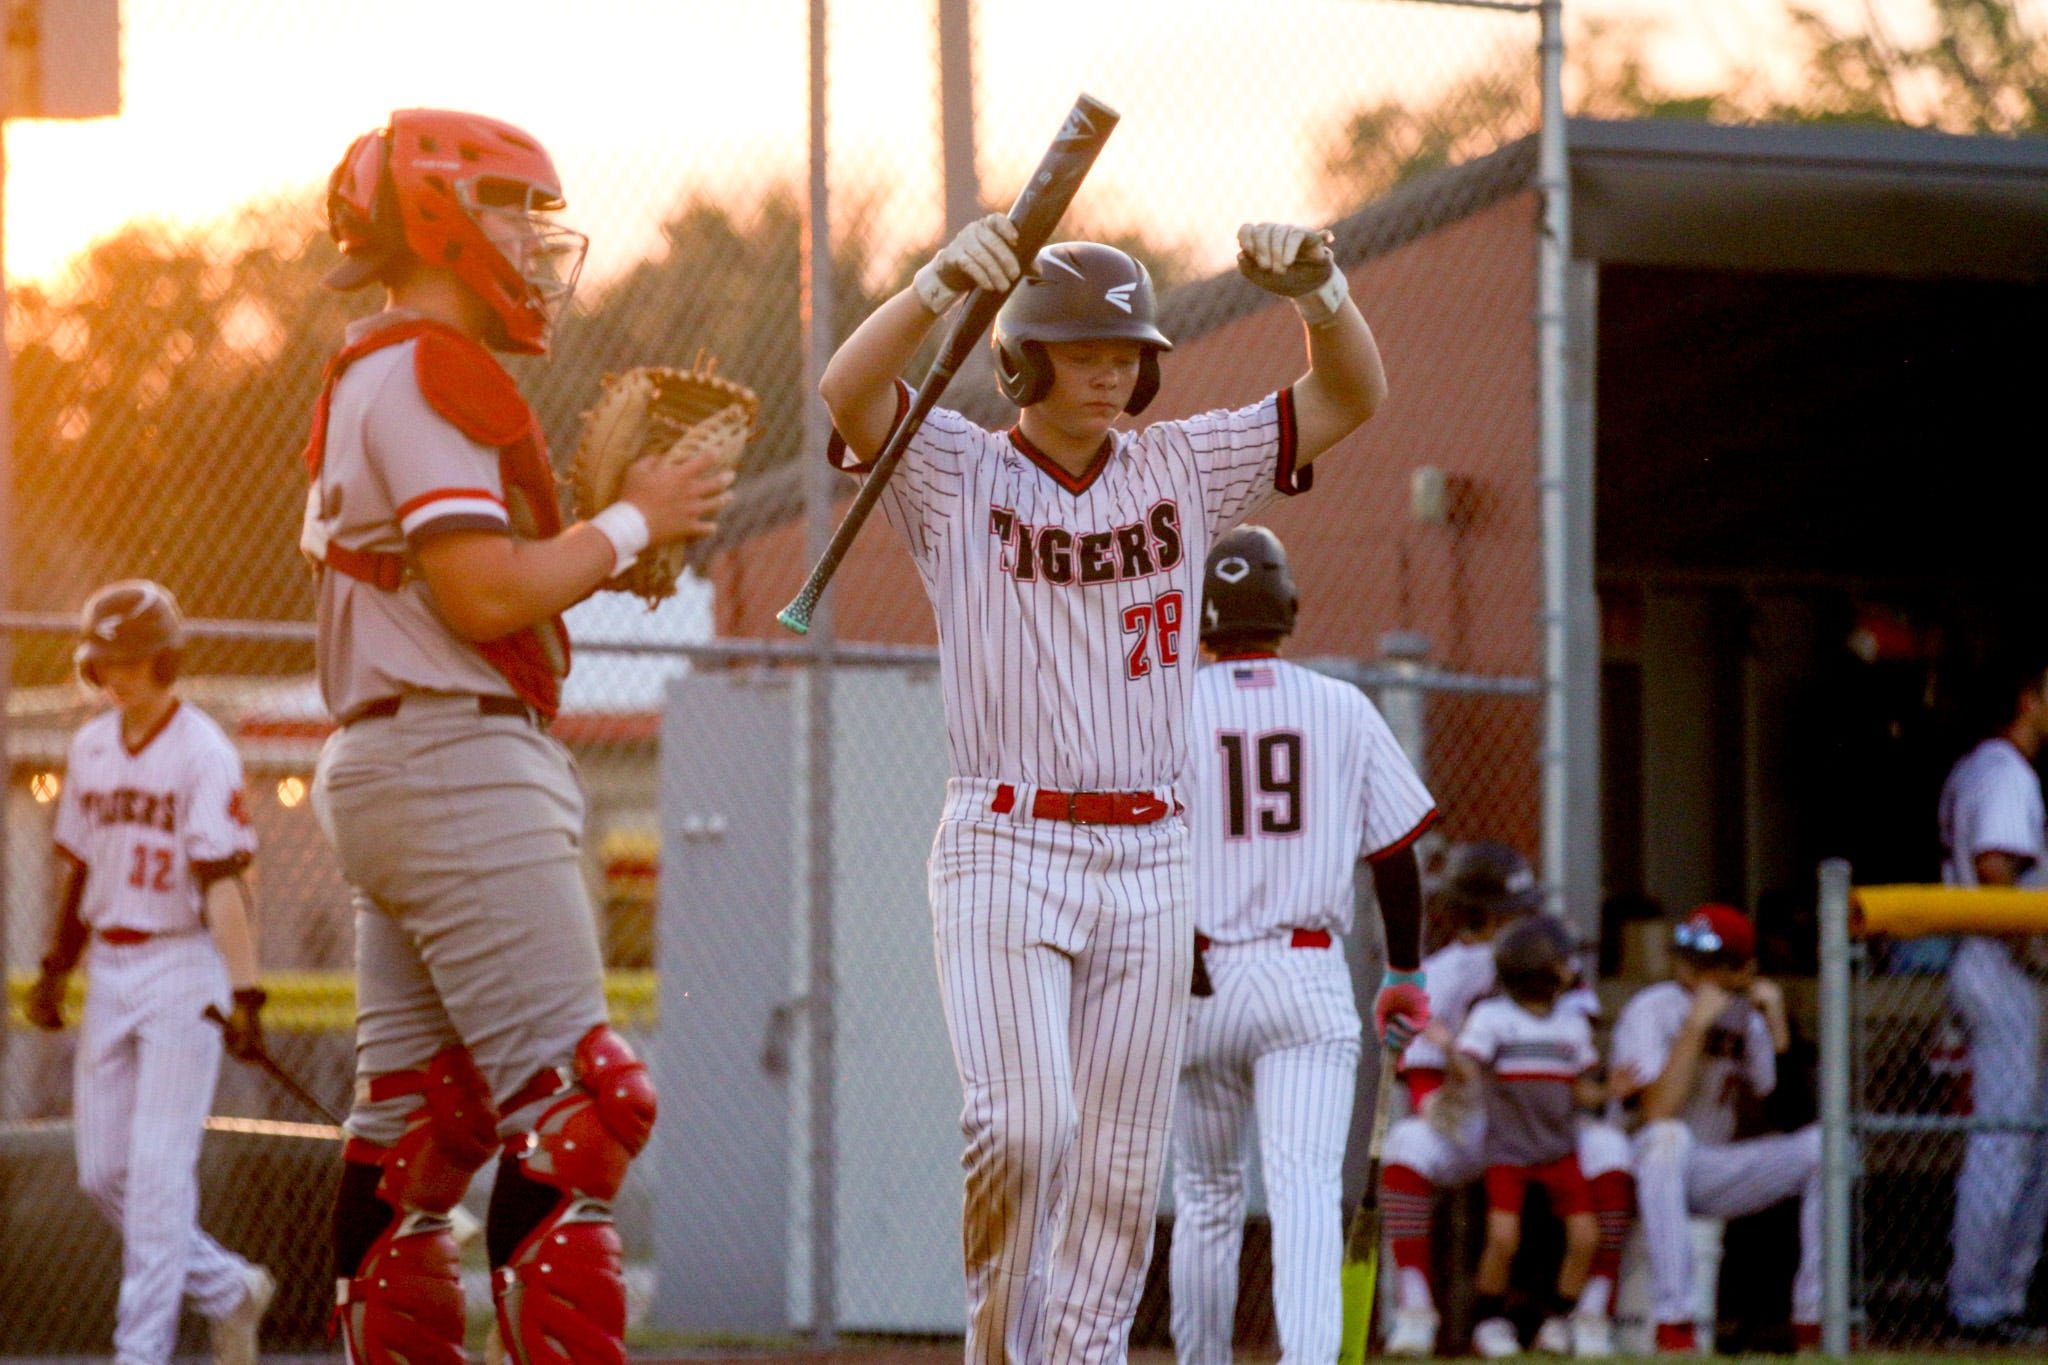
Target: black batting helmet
1077,291
1247,588
128,620
1488,878
1528,955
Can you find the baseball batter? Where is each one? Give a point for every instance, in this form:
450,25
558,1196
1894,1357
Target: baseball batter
1487,886
1688,1048
153,838
1295,778
1063,561
1991,820
441,568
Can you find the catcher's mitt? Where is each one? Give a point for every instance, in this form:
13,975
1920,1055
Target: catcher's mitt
669,414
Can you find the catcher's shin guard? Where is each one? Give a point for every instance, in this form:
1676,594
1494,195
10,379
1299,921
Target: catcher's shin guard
398,1292
557,1271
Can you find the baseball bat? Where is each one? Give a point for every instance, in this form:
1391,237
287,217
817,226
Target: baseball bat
1036,213
1359,1276
271,1067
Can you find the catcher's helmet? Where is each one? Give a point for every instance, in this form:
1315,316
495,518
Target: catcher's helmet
1489,878
1247,588
1527,956
128,620
1076,291
465,193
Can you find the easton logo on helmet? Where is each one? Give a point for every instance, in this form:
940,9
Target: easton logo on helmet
1120,296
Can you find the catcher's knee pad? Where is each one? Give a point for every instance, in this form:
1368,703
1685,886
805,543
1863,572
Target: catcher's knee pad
558,1274
448,1137
398,1290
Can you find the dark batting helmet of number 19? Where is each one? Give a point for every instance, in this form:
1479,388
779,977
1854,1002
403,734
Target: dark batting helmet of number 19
1247,588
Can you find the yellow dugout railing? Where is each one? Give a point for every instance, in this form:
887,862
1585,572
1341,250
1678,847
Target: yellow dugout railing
325,1002
1910,911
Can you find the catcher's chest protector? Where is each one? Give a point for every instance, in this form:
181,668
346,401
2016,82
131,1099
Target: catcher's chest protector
471,391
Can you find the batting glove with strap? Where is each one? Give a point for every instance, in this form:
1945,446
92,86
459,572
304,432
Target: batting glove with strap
1296,263
45,1004
1401,1009
242,1035
978,257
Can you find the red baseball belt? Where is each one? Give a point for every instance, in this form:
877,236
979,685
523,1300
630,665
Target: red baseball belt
1087,808
1296,938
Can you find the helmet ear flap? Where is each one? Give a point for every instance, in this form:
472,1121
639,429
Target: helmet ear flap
163,666
1148,381
1025,374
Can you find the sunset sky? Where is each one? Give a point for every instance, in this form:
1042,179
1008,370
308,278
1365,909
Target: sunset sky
642,101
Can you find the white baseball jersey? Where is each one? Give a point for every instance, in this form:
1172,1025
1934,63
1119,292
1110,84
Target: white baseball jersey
1533,1060
1991,803
139,821
1738,1052
1067,607
1296,777
1067,613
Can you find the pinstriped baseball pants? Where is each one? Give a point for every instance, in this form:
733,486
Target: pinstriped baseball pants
1063,954
145,1072
1277,1044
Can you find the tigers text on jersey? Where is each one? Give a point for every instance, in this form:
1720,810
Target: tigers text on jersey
1067,607
1533,1059
140,821
1738,1051
1294,777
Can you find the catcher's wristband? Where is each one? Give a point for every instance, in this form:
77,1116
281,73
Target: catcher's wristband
1321,304
932,291
625,526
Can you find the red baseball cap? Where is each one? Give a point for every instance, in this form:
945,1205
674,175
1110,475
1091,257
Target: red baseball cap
1719,933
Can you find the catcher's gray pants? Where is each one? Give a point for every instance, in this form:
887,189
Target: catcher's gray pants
460,834
2002,1190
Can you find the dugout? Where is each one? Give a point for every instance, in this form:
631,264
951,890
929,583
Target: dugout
1803,459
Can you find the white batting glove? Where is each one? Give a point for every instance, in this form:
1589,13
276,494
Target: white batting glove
1297,262
978,257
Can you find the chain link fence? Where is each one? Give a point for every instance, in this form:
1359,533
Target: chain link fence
162,379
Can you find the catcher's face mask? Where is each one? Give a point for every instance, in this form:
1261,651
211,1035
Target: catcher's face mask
546,255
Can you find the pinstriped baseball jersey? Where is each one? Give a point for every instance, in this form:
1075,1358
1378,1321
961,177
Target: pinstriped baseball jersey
1738,1049
1531,1113
1067,607
1296,777
1991,803
394,472
138,820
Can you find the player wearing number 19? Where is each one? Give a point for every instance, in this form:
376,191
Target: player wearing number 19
1295,778
1063,561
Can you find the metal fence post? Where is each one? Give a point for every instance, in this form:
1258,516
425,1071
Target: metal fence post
1837,1155
1403,702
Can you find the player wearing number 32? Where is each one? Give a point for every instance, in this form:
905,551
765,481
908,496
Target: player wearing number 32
1295,778
1063,560
153,836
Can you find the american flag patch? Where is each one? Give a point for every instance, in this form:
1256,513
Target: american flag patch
1255,675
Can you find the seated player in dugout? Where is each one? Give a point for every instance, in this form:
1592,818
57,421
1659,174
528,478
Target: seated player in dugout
1063,560
441,569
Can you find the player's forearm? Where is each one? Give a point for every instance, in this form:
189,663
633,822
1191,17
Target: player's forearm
1345,384
68,933
1397,886
486,585
859,383
229,920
